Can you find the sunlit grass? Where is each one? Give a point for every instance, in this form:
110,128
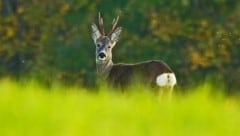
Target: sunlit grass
28,109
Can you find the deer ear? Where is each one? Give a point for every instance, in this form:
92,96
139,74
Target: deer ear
115,35
95,32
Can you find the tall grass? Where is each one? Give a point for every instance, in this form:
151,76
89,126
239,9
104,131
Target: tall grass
28,109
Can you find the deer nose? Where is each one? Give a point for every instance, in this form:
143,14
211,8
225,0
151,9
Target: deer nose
101,55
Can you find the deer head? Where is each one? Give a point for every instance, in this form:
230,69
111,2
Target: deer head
105,43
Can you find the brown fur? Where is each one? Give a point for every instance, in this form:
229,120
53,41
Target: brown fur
121,75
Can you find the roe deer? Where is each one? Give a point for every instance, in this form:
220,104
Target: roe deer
155,73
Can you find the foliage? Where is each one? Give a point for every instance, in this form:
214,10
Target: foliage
28,109
51,40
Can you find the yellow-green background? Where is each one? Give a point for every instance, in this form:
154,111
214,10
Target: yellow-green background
28,109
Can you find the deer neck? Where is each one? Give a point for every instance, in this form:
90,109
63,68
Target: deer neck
103,69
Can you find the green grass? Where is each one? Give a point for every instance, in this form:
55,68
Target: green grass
27,109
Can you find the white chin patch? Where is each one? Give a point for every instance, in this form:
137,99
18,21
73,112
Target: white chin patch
166,79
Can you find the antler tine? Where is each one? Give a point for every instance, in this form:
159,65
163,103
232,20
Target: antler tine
100,23
114,24
113,21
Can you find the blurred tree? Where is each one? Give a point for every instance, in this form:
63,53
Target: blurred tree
51,40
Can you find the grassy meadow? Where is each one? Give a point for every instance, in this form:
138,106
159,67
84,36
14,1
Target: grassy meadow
28,109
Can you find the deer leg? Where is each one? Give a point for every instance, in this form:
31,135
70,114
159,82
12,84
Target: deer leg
165,93
170,92
161,93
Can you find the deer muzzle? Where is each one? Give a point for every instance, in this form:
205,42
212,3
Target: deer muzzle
101,56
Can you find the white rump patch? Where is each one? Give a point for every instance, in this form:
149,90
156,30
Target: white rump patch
166,79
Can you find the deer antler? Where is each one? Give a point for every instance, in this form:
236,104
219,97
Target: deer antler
100,24
114,24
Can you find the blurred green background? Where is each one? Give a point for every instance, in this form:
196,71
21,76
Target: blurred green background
51,40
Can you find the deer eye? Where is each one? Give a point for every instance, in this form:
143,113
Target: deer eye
98,45
109,46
